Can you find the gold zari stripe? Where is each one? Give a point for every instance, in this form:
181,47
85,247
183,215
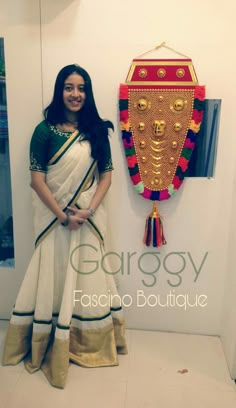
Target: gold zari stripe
64,147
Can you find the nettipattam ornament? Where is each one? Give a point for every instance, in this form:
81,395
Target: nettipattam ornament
161,111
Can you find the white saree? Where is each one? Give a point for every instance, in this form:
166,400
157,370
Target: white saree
68,307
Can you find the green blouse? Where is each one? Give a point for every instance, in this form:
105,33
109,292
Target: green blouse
47,140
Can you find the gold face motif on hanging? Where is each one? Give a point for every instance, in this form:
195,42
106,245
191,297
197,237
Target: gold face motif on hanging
159,127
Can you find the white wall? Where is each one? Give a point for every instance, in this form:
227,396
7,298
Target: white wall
229,302
19,25
104,36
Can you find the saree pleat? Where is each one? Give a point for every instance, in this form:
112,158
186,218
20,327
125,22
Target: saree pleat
50,324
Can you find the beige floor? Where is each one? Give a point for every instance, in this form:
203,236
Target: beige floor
148,377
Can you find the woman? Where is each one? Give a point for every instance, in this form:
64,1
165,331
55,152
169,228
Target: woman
68,307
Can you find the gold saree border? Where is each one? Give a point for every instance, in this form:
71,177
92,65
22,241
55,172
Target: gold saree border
93,347
93,228
119,329
85,182
39,344
17,343
64,147
55,366
45,351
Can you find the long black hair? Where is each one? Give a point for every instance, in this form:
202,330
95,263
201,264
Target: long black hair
91,125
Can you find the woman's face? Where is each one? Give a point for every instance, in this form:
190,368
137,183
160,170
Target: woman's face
74,93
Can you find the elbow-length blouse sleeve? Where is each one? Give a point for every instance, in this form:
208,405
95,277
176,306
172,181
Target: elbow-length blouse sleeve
39,149
105,164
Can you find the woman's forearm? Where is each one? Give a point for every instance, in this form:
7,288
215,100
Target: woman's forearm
102,188
38,183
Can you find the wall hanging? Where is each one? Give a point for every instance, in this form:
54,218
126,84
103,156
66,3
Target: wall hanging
161,111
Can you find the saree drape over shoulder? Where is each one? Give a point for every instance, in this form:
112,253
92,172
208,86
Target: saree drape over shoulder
68,307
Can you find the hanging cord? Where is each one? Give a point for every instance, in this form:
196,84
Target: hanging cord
163,45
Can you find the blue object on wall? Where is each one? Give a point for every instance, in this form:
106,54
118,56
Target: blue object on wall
202,163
